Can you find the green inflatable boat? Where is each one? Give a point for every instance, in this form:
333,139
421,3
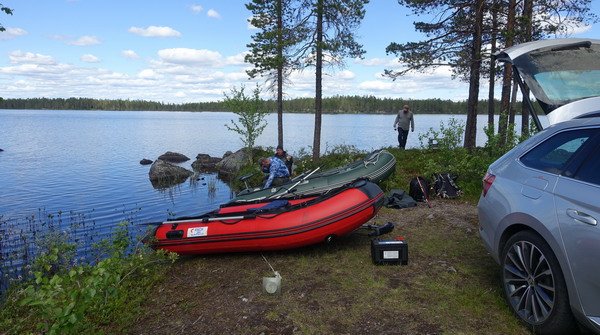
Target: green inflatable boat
375,167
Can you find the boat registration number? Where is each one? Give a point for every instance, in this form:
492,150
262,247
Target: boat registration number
197,231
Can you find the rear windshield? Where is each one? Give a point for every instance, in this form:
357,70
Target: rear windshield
559,76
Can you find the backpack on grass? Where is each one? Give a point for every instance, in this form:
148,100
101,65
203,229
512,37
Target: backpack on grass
419,189
444,185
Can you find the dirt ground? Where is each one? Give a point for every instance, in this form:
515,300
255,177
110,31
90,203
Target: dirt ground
337,289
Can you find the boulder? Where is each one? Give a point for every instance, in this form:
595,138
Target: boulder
164,174
205,163
173,157
231,164
145,161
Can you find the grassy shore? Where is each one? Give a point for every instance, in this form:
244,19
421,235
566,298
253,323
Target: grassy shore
450,284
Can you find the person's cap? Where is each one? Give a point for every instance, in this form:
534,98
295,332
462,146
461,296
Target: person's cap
280,147
405,107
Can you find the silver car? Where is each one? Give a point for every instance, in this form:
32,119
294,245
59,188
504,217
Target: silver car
540,205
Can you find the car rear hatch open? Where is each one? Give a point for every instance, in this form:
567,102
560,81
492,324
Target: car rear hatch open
562,74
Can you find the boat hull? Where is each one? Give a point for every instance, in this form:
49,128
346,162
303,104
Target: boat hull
304,222
376,167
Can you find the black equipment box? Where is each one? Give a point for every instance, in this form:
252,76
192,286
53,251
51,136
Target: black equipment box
389,252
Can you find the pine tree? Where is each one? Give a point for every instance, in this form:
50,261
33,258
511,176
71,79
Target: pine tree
271,47
328,27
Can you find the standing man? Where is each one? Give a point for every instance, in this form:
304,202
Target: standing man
403,119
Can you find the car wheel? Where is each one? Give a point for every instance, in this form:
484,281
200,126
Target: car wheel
534,285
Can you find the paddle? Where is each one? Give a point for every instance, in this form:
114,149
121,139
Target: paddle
425,195
288,190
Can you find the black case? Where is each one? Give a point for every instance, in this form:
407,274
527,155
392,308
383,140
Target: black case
389,252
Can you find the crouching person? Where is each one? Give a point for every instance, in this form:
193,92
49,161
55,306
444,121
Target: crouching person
277,170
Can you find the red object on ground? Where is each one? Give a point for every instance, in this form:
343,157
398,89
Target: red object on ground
301,222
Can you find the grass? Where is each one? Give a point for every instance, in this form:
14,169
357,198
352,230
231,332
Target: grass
450,285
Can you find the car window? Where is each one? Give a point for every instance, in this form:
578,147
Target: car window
554,154
590,170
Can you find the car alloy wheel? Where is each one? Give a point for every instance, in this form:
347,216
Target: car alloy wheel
534,285
529,282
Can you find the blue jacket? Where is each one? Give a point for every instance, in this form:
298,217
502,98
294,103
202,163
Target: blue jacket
276,170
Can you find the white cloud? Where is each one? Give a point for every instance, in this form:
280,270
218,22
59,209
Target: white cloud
213,13
376,85
148,74
236,59
196,9
19,57
188,56
85,41
154,31
345,75
11,33
130,54
376,62
180,94
89,58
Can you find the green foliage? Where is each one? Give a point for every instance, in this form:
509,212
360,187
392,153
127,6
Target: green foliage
339,20
55,253
447,137
271,46
495,145
333,105
449,156
69,299
7,11
251,116
336,156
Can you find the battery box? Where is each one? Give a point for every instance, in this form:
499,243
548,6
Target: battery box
389,251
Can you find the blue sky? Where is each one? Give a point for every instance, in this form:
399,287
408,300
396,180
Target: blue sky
185,51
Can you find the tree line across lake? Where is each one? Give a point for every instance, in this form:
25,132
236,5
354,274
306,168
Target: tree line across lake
331,105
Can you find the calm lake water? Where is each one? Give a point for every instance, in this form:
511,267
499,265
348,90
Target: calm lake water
74,167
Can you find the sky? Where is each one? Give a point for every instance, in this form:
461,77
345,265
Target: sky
188,51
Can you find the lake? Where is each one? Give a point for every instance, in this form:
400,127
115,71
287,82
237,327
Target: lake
81,169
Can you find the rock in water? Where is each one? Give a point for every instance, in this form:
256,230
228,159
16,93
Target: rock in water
232,163
145,161
205,163
173,157
163,174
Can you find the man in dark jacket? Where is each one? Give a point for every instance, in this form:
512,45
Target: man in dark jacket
285,158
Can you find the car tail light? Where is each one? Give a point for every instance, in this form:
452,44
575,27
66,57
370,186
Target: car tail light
487,182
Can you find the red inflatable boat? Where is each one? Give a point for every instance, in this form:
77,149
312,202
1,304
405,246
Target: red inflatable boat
272,224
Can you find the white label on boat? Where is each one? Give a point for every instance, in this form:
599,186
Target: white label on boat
391,254
197,231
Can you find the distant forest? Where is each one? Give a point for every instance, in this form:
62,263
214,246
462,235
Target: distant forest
331,105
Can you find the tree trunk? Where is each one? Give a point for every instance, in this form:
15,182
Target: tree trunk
279,73
528,19
494,37
471,126
318,82
507,78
